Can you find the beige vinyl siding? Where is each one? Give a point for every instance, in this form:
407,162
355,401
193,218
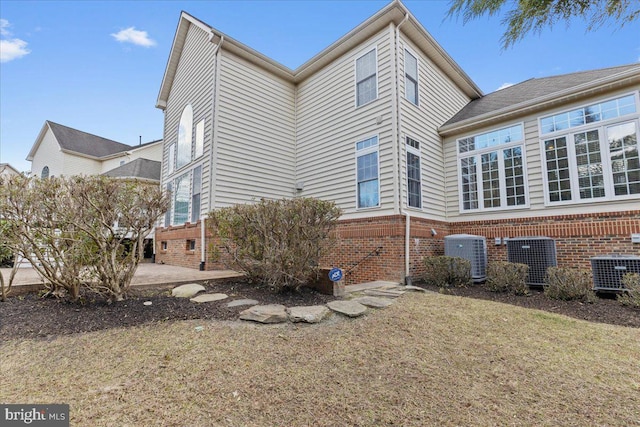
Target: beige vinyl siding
329,125
150,152
535,183
78,165
255,150
48,154
438,100
193,84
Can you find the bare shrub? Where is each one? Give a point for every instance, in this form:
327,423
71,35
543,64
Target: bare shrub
505,276
277,243
446,271
569,284
631,295
73,230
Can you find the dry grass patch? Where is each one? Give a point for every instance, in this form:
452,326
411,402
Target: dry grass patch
427,360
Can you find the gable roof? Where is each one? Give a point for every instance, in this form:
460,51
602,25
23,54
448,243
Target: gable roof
394,12
138,168
7,167
538,94
85,144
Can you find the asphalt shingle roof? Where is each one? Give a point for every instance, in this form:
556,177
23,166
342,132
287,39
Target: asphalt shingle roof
138,168
85,143
532,89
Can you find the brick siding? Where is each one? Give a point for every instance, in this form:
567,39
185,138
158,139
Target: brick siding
578,238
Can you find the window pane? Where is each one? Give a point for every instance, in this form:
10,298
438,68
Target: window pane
413,180
411,65
367,176
590,168
368,167
514,175
411,89
490,180
199,150
625,163
368,194
181,200
185,134
469,183
171,160
167,215
196,186
366,78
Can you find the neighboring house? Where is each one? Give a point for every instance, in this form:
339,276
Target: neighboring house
61,150
7,170
387,125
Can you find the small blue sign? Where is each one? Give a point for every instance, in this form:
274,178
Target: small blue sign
335,275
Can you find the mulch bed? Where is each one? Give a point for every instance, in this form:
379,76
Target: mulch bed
606,310
30,316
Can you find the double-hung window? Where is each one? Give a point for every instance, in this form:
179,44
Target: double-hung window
366,78
367,171
411,77
492,170
414,184
591,153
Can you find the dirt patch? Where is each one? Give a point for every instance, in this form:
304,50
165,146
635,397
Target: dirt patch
29,316
605,310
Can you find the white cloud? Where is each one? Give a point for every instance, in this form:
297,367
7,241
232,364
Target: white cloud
131,35
504,86
11,49
4,24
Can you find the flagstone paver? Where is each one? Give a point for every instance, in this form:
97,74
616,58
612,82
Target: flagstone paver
209,297
375,302
308,314
187,291
348,308
271,313
244,301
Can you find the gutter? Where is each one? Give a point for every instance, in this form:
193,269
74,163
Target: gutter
398,106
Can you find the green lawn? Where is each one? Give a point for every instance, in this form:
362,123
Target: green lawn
428,360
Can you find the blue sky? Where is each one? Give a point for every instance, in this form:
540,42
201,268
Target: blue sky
97,65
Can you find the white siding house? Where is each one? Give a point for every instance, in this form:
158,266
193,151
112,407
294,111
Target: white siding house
384,123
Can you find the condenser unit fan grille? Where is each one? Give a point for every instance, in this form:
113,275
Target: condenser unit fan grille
539,253
473,248
608,271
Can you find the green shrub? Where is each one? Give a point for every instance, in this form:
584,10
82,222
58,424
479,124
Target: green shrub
505,276
278,243
569,284
631,297
446,271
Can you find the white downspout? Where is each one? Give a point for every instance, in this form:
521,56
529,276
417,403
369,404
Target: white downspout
214,108
407,231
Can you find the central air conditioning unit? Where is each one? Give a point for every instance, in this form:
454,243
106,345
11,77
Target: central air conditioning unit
609,270
539,253
473,248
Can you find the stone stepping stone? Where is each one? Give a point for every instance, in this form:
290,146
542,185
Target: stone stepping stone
272,313
348,308
389,293
369,285
308,314
375,302
240,302
187,291
209,297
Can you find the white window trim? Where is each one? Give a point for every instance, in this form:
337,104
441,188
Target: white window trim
418,153
190,144
198,142
363,152
412,53
501,172
573,169
631,116
360,54
171,159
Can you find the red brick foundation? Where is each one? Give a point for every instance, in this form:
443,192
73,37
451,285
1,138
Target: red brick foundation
578,238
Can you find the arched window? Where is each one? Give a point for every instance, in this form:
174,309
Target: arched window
185,133
45,172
